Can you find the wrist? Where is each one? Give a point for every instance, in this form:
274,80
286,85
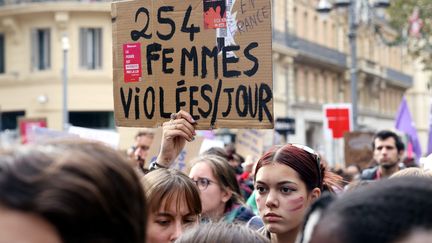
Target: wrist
164,161
155,165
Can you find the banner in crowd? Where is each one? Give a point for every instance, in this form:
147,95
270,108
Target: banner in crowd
249,142
405,123
337,119
211,58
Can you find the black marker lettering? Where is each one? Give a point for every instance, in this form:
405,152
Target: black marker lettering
216,103
179,90
193,102
229,103
150,114
251,57
155,47
166,60
265,90
168,21
225,60
192,56
204,88
163,114
240,112
137,109
126,104
135,34
253,105
212,54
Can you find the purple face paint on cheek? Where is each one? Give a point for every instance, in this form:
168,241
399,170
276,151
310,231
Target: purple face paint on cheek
297,204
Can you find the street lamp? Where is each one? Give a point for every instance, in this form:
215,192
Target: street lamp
65,47
324,7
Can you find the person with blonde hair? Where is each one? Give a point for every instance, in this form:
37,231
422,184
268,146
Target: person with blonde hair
173,204
412,171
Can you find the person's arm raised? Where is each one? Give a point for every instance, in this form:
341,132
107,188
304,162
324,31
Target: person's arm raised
176,132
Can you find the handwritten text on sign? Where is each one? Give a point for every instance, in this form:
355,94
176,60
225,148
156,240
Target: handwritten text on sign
222,77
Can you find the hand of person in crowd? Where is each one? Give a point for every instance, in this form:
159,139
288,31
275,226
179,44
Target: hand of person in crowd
176,132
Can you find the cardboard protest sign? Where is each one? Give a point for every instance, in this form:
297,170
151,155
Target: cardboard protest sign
358,148
249,142
211,58
190,151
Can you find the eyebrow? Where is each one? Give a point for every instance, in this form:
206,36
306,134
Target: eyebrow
166,214
279,183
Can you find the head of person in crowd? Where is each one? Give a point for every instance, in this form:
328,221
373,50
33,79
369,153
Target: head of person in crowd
287,180
219,190
173,204
70,191
217,151
351,173
233,158
143,141
387,211
388,150
215,232
412,171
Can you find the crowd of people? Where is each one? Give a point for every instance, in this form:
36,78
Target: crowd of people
80,191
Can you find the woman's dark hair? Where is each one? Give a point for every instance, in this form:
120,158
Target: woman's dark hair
87,191
313,173
382,212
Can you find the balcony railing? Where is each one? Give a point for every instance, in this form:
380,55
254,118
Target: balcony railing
399,77
310,49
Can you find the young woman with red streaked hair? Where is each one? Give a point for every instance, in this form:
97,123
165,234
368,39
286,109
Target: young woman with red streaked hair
287,180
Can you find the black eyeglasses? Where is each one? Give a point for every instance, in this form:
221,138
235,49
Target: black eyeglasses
314,154
202,183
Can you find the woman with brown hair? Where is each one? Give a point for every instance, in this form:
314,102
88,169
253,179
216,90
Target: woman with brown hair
70,192
288,179
219,190
173,204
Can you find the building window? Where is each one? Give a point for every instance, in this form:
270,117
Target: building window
92,119
2,53
41,49
91,48
9,119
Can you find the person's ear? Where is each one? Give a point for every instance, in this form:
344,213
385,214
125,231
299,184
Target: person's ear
401,153
226,195
316,193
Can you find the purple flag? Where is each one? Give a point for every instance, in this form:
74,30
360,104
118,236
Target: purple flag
429,148
404,123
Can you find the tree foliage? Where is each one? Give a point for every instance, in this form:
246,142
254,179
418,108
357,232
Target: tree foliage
400,12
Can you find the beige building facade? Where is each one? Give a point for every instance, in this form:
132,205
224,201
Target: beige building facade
311,67
31,84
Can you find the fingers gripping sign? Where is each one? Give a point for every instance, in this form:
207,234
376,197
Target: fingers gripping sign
179,129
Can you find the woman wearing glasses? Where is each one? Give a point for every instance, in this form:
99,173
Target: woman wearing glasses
219,190
287,180
173,204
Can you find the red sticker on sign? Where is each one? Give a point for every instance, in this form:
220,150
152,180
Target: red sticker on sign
214,14
132,62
